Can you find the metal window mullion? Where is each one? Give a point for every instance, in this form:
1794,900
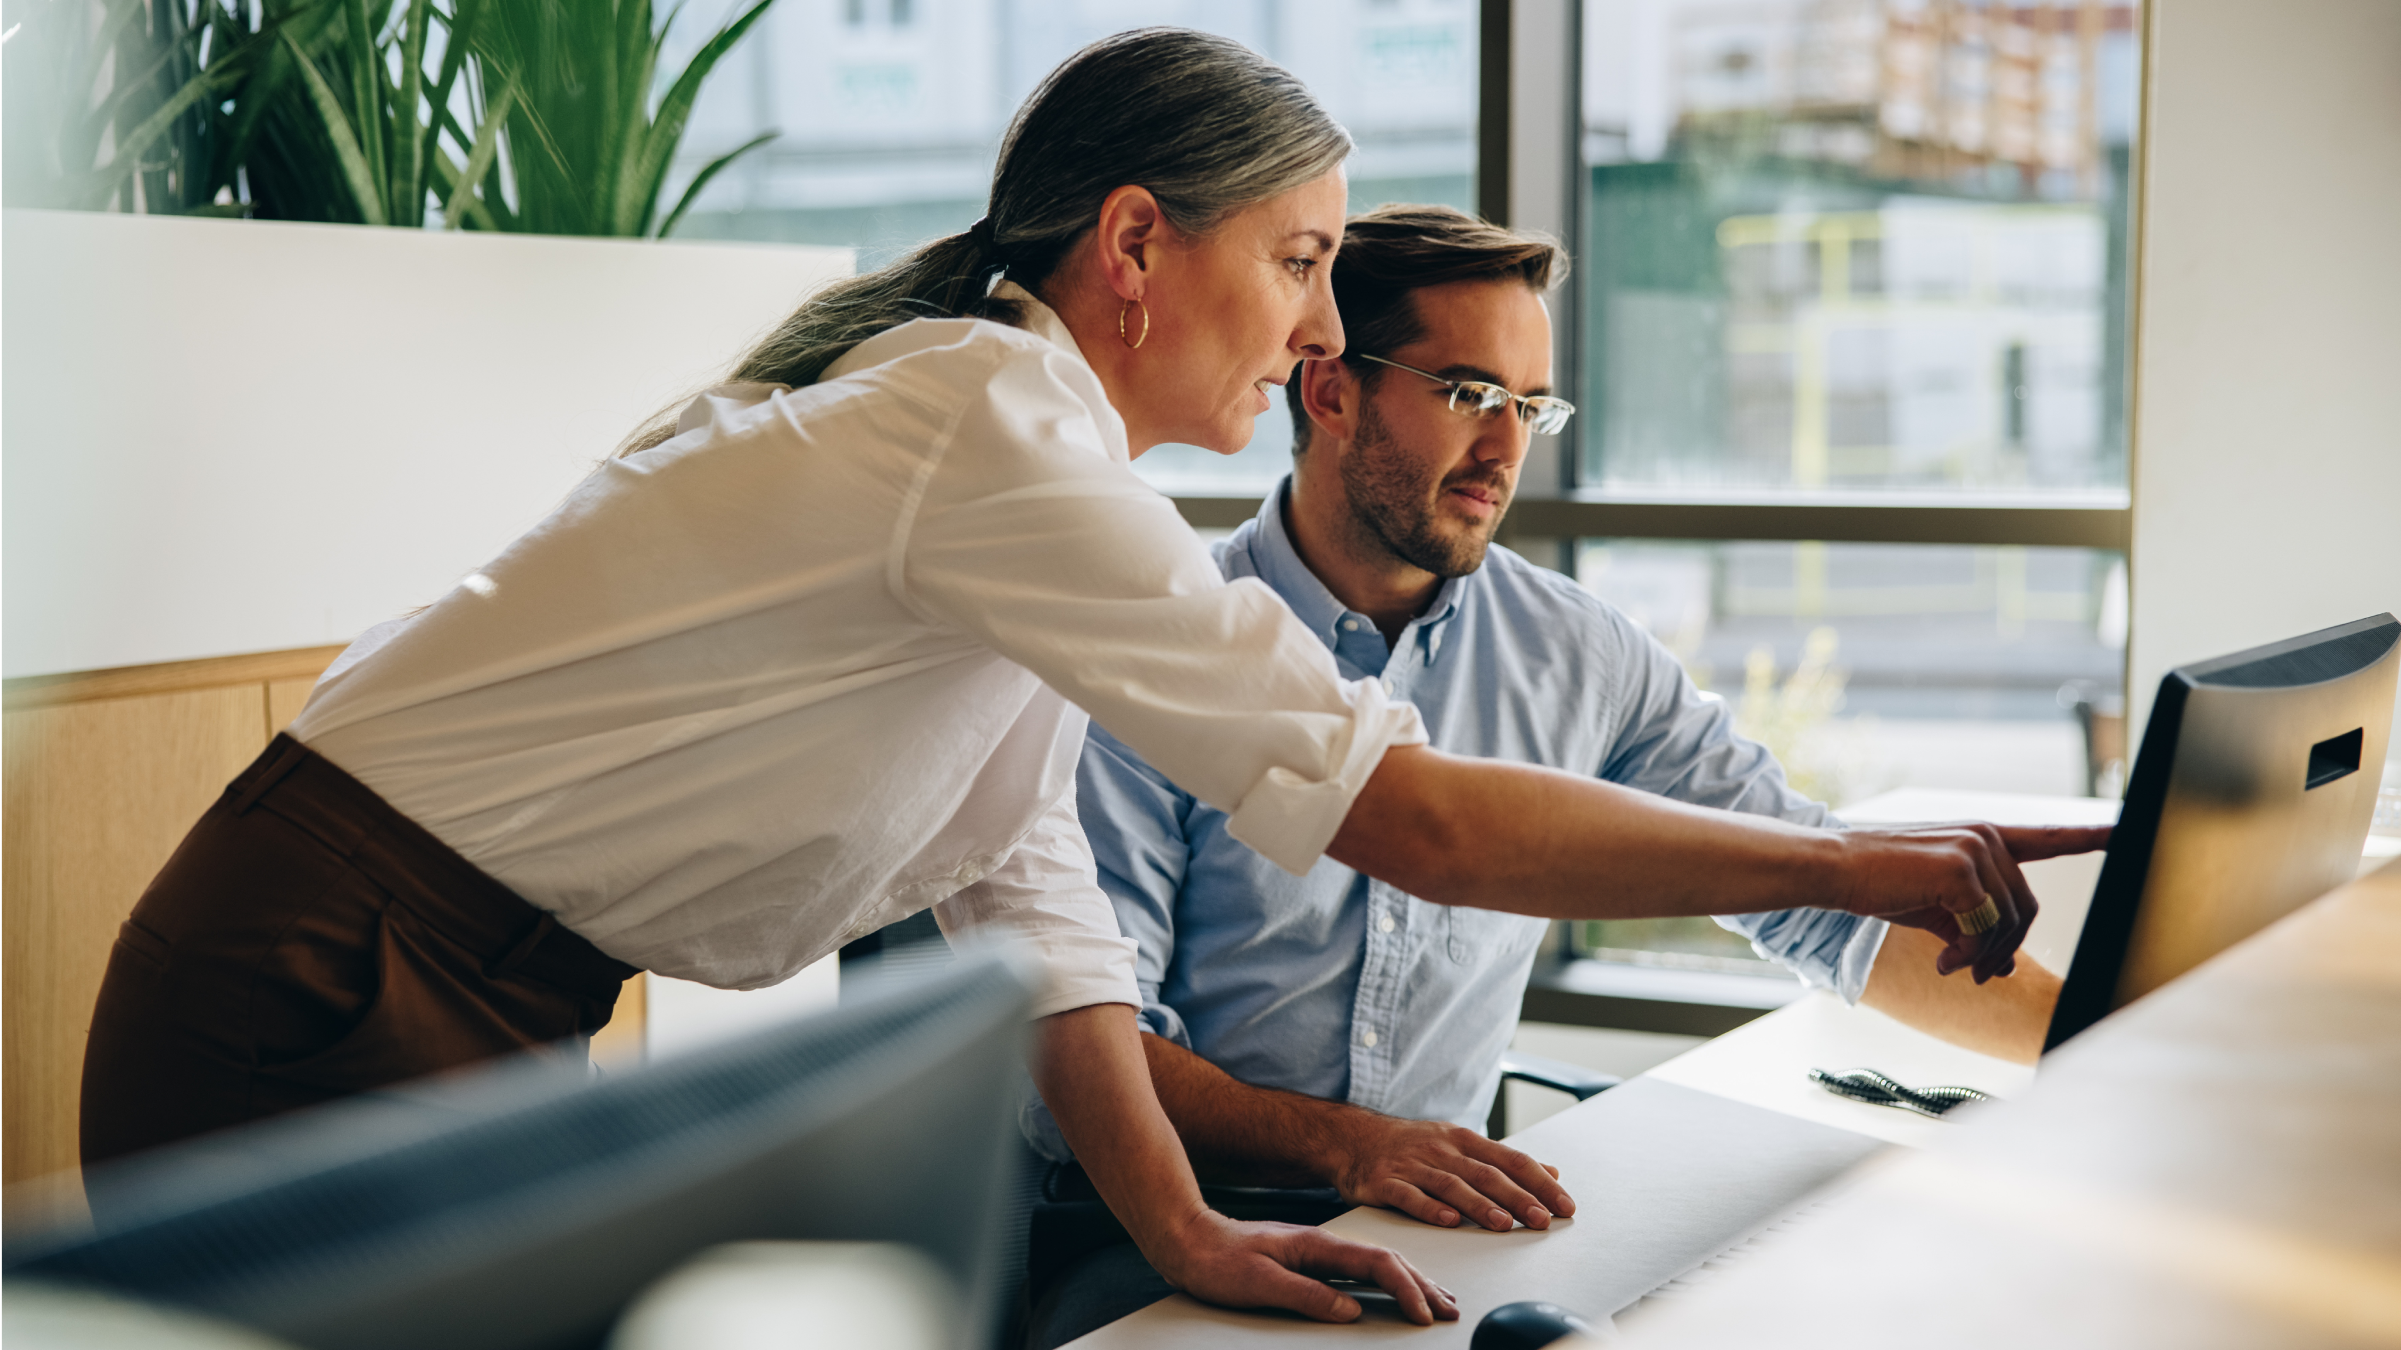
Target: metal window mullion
2033,527
2103,528
1528,176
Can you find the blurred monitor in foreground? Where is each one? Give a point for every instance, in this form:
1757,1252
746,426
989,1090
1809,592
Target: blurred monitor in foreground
523,1206
2251,796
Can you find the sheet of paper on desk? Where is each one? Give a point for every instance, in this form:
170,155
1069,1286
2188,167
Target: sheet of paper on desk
1664,1177
1766,1064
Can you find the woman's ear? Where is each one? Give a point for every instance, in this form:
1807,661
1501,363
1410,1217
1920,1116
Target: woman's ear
1129,234
1331,395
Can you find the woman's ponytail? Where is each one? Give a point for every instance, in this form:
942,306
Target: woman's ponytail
944,279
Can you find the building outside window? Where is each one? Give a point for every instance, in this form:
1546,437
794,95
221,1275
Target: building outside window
1865,252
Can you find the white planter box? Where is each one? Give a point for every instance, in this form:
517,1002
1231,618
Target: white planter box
237,436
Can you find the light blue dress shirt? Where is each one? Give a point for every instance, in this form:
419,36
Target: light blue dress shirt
1340,986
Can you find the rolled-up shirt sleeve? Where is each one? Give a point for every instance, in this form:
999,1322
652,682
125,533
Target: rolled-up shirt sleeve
1044,901
1680,742
1029,533
1827,948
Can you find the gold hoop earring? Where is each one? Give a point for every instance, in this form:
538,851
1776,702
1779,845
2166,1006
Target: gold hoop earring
1129,340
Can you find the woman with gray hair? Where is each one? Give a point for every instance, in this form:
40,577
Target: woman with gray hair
820,654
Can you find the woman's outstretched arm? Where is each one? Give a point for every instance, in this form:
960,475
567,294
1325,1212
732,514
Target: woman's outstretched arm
1538,841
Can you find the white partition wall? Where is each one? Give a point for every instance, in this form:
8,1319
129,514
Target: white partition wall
2267,493
680,1016
236,436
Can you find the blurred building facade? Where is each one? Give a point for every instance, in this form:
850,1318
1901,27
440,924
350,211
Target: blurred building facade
891,111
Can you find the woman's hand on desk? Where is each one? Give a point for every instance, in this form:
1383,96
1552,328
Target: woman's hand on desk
1279,1265
1091,1069
1936,877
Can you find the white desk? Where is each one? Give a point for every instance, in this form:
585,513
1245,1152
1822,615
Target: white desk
1597,1266
2219,1165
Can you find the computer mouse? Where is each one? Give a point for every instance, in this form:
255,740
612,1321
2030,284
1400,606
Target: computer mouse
1524,1326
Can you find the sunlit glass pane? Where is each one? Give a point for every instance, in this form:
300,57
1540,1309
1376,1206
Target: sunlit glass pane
1870,667
1857,245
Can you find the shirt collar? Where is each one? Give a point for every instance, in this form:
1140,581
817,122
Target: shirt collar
1040,319
1278,563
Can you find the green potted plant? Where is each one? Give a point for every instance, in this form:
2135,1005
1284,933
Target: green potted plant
537,116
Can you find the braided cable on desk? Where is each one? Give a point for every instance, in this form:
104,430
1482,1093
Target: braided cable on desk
1867,1085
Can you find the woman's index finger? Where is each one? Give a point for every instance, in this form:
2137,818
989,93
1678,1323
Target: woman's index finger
2029,842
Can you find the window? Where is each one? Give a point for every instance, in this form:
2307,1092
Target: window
1867,667
1854,271
1856,245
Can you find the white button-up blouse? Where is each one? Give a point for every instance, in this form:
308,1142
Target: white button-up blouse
824,660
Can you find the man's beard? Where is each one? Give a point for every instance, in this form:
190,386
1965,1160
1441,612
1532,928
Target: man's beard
1393,503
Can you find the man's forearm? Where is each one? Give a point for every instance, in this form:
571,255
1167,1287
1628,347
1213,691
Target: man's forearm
1239,1134
2005,1018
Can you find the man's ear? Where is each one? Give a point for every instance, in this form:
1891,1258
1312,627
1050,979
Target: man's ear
1130,230
1331,395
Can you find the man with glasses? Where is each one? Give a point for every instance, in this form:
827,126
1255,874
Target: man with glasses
1329,1031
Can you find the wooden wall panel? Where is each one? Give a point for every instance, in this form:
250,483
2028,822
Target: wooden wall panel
285,699
168,677
621,1043
98,794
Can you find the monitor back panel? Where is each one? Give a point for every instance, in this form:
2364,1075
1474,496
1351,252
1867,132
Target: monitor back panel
2253,790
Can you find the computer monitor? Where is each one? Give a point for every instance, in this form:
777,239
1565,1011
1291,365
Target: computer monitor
525,1205
2250,797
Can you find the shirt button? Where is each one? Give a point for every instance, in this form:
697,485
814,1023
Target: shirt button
1384,924
1368,1038
1387,682
1350,625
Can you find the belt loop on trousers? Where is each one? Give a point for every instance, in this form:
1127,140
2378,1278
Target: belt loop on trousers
525,947
287,759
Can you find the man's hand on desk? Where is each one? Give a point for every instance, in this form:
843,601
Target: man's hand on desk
1089,1065
1247,1135
1936,877
1438,1172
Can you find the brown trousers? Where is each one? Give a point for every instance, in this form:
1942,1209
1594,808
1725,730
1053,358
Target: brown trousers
307,942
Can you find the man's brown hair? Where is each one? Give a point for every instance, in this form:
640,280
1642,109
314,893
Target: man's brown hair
1391,253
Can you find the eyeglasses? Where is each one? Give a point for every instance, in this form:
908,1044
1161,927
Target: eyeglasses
1475,398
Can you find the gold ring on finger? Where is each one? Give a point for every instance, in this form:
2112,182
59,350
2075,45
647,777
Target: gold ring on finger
1981,919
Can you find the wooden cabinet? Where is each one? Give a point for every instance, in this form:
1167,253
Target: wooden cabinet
105,772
